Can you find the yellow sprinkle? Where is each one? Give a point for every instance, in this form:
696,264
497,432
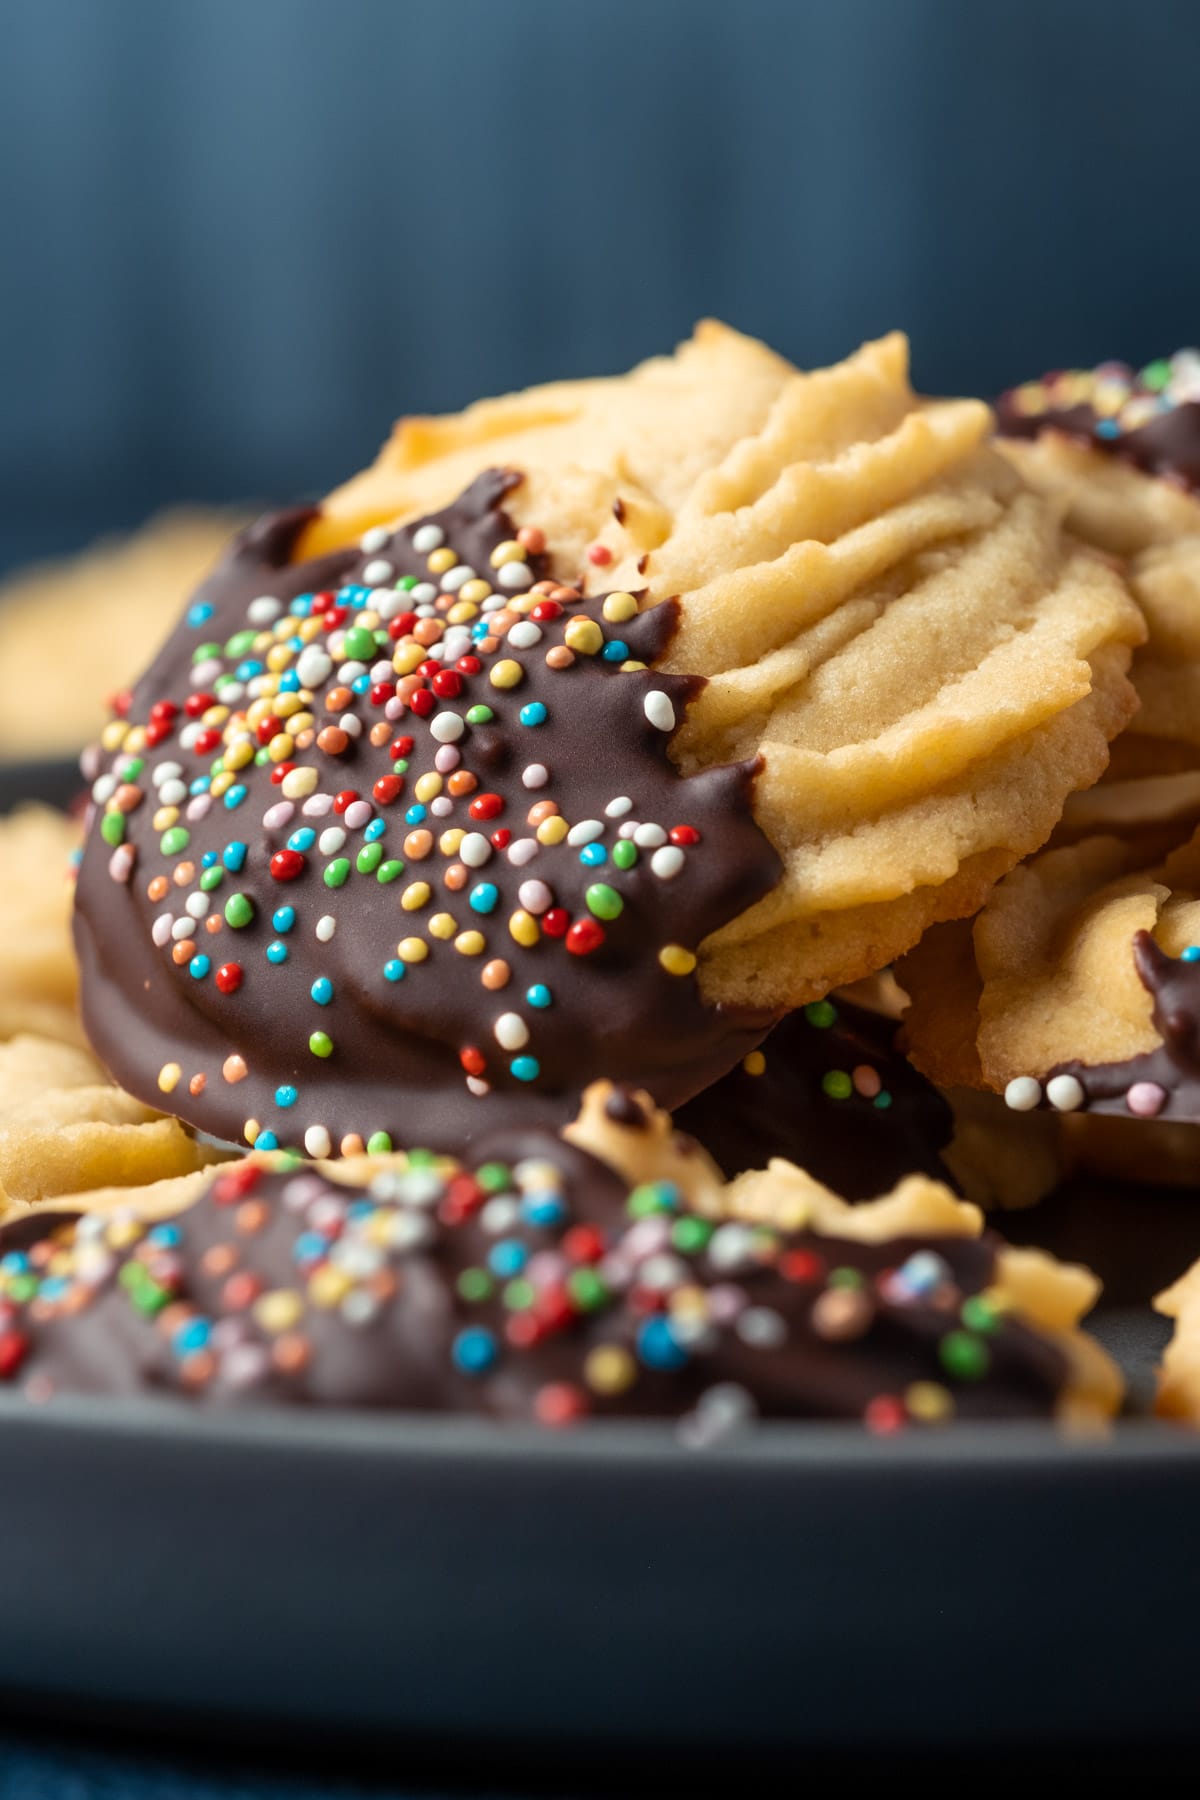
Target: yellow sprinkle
165,817
441,560
239,754
406,658
450,840
470,943
309,629
135,743
278,657
123,1232
507,674
329,1286
279,1310
299,783
257,711
928,1401
608,1369
300,721
415,896
286,705
442,925
676,960
690,1302
755,1063
221,784
169,1077
412,950
627,667
216,715
552,830
463,611
281,746
475,590
427,787
250,1131
619,607
584,636
524,928
113,735
368,619
509,552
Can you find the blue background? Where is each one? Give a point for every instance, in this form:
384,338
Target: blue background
242,235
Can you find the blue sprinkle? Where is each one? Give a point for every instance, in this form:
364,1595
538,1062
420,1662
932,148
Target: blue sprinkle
507,1259
301,606
394,970
322,990
285,1096
200,785
1107,428
1192,953
52,1288
233,855
533,714
198,967
266,1140
882,1101
15,1263
525,1068
164,1237
361,684
615,651
474,1350
246,671
200,613
235,795
290,683
277,952
543,1209
192,1336
658,1346
310,1246
374,830
283,918
485,898
539,995
208,859
415,815
480,629
304,839
592,855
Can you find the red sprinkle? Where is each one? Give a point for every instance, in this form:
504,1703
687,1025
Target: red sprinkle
402,746
556,921
600,555
583,1244
546,609
559,1403
422,703
684,834
344,799
195,704
157,730
206,740
801,1265
14,1347
241,1290
280,772
501,839
885,1415
447,684
386,789
229,977
286,865
472,1060
486,806
266,728
585,936
523,1331
382,692
163,711
401,625
468,665
229,1189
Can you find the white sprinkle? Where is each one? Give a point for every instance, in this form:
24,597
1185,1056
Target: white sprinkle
511,1031
494,603
104,788
666,863
500,1215
1023,1093
183,928
477,1086
326,926
350,672
535,896
427,538
729,1246
200,807
351,724
514,575
587,830
442,807
279,815
447,758
522,851
1065,1093
457,577
447,727
382,671
166,771
160,931
424,594
172,793
394,708
535,776
762,1327
317,806
331,840
662,1270
358,814
387,602
474,850
627,828
377,572
190,733
525,634
658,709
317,1141
204,673
265,610
198,904
120,863
649,837
456,642
616,809
372,542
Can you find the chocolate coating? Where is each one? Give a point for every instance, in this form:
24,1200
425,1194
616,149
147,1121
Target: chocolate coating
534,1290
1167,445
1174,1066
405,1047
859,1143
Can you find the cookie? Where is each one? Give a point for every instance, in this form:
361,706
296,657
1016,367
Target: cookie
111,604
1178,1394
1076,987
533,1283
516,839
1122,449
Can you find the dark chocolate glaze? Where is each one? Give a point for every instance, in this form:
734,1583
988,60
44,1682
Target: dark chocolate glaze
860,1145
1168,446
397,1061
493,1295
1174,1066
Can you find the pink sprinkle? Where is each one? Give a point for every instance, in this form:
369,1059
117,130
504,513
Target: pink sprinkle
447,758
725,1302
120,863
200,806
276,817
317,806
546,1267
358,813
535,896
1146,1099
394,709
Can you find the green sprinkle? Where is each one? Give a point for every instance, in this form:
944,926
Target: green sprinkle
691,1235
519,1294
844,1278
494,1177
625,853
112,828
369,859
1156,375
173,841
587,1289
320,1043
134,768
475,1284
400,766
423,1159
261,757
406,584
389,870
359,643
822,1014
337,871
22,1288
379,1143
882,1100
964,1356
837,1084
240,644
239,910
205,652
978,1314
650,1198
212,878
480,715
604,901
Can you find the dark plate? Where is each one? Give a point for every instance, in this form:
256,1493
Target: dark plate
471,1587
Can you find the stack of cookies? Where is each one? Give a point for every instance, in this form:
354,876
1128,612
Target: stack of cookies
672,741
